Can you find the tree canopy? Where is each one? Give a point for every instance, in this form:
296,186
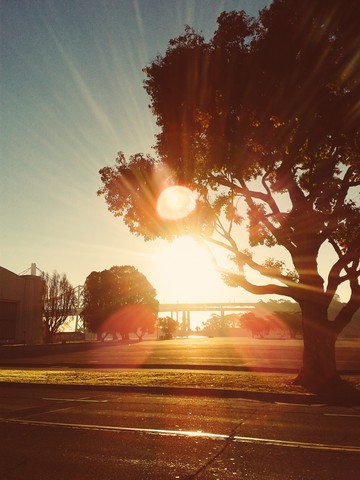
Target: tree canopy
119,301
168,327
283,316
59,299
258,326
262,123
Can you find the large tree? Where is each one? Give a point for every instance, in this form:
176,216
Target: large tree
59,301
119,301
261,121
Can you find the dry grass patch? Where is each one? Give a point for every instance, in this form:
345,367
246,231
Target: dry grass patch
263,382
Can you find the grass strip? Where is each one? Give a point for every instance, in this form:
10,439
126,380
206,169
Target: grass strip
261,382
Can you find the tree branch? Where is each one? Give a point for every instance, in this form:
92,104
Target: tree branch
289,287
344,188
245,192
334,278
269,289
345,315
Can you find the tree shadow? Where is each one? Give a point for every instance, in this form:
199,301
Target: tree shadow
340,393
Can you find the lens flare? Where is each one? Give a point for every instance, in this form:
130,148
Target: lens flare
175,202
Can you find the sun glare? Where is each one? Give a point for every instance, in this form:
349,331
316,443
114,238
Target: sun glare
186,272
175,202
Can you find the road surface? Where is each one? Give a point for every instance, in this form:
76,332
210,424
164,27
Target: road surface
242,353
73,434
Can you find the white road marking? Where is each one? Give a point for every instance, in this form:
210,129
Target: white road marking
342,415
286,443
115,429
198,434
87,400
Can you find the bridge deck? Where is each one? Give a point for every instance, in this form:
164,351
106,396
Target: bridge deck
197,307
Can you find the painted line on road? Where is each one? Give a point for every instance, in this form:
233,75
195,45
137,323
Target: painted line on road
353,415
286,443
86,400
116,429
184,433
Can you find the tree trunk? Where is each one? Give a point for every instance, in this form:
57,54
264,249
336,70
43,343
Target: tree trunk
318,372
47,335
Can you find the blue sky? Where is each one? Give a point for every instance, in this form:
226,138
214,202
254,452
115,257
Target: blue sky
71,98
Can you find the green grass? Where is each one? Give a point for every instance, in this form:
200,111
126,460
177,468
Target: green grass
263,382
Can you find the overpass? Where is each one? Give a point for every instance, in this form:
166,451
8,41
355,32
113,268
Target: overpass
186,308
183,310
206,307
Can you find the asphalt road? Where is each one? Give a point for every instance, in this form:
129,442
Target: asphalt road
77,435
242,353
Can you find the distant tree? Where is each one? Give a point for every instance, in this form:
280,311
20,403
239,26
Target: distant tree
353,329
59,300
288,324
214,326
119,301
261,122
283,315
168,327
258,326
219,325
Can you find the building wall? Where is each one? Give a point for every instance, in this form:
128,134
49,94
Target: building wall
20,308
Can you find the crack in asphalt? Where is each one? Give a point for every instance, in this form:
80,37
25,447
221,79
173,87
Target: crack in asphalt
228,440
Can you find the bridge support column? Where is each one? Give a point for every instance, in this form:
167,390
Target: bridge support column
185,323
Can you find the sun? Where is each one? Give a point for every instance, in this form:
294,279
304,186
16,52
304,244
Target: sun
186,273
176,202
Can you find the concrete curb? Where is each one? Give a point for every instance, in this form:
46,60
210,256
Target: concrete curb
290,398
149,366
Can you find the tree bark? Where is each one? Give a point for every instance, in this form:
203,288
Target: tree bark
319,372
47,334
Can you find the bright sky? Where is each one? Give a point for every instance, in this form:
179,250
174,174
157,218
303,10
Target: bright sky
71,98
